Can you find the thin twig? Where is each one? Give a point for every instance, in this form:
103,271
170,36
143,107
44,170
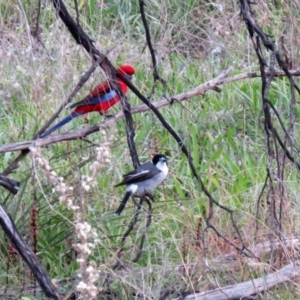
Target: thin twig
83,39
273,140
14,164
200,90
55,138
77,12
156,76
143,237
37,25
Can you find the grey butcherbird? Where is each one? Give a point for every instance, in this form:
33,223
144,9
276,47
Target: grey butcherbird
144,179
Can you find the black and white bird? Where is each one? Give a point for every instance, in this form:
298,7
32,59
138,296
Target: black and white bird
144,179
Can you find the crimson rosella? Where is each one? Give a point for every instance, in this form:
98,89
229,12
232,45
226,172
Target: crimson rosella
101,99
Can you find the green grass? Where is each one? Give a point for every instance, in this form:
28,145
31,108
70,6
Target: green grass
223,132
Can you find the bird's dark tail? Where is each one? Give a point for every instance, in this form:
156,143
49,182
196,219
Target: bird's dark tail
123,203
60,124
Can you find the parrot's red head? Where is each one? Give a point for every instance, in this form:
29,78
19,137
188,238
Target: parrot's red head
127,71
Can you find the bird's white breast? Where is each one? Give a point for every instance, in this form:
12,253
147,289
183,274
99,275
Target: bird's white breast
163,167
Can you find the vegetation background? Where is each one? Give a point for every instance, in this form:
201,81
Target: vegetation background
194,41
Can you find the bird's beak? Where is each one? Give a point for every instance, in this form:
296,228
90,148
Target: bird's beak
129,77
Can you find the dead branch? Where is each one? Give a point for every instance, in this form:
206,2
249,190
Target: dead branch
83,39
251,287
200,90
222,263
156,76
277,147
14,164
10,184
27,255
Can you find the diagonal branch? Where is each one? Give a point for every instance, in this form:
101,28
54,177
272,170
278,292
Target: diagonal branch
81,133
185,151
82,38
10,184
28,256
14,164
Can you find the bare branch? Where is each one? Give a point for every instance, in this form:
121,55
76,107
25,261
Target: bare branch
249,288
143,237
14,164
83,39
28,256
156,76
276,146
10,184
200,90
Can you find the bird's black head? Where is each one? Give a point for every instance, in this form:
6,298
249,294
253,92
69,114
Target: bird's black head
159,158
